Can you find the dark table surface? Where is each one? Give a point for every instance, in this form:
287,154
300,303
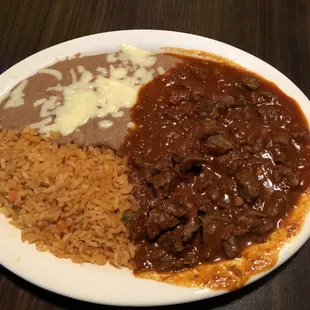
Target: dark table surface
276,31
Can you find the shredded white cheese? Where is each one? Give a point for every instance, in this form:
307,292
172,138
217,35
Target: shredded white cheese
89,96
102,70
136,56
16,96
57,74
47,105
42,123
105,124
118,73
80,69
118,114
131,125
160,70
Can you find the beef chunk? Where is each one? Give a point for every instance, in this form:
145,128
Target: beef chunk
259,238
251,218
172,240
215,105
201,183
163,183
233,230
162,179
179,96
264,227
137,226
176,159
191,258
197,93
209,128
247,113
231,247
258,146
250,81
218,144
137,163
238,201
280,137
173,207
266,100
275,204
158,221
210,235
300,132
192,224
248,184
239,230
256,213
230,162
201,73
172,116
270,113
222,102
213,192
201,203
240,102
278,156
208,225
160,167
192,163
166,263
185,148
227,231
208,112
287,175
204,207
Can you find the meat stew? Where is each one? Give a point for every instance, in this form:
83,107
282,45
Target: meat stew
219,156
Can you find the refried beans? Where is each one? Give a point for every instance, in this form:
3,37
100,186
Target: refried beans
44,85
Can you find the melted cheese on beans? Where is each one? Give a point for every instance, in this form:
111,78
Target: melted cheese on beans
90,96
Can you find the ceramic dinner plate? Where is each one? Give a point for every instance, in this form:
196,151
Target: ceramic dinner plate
108,285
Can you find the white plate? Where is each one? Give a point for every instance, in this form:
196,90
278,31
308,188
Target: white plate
108,285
